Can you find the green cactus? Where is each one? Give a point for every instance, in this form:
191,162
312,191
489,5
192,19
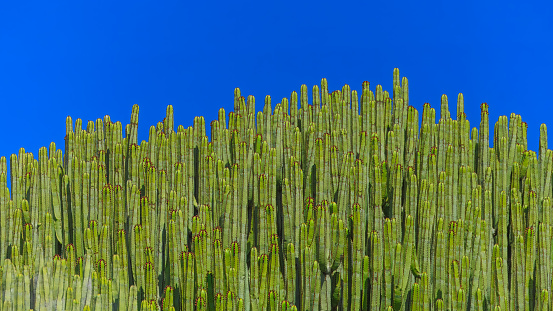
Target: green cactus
343,203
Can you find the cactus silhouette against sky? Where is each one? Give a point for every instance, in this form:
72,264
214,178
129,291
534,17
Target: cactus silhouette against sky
324,201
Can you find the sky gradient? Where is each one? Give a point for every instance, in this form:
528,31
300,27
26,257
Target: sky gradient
87,59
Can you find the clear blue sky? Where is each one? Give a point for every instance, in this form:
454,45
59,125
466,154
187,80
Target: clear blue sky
87,59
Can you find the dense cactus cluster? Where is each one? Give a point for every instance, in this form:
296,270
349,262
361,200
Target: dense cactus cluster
346,203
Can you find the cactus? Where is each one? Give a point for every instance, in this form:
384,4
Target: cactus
324,201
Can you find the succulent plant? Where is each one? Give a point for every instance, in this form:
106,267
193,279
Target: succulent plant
344,202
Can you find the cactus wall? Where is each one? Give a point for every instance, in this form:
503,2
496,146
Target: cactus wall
324,201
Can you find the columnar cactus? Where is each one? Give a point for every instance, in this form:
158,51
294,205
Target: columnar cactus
344,202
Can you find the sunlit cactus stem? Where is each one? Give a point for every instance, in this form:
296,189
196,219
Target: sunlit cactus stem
327,200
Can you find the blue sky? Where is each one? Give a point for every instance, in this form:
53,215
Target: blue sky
87,59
